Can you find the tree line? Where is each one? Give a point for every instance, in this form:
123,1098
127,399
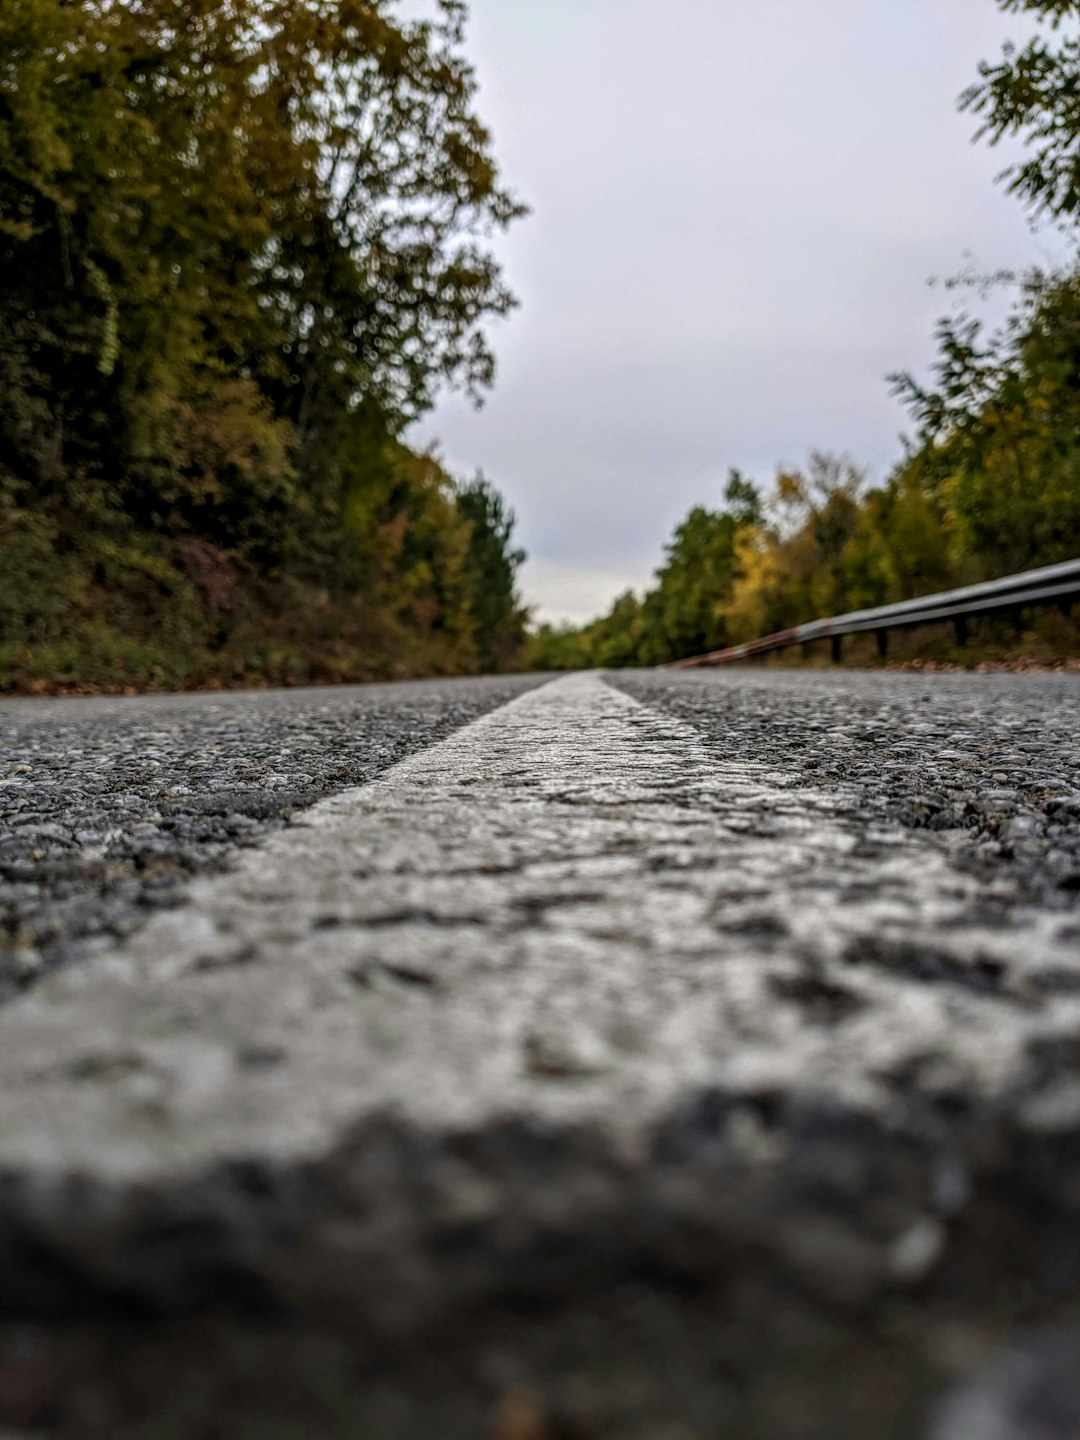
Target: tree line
242,245
988,483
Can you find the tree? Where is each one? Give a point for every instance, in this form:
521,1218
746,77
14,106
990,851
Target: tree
743,499
492,565
1031,93
755,604
616,639
682,612
998,426
997,460
291,191
558,647
242,244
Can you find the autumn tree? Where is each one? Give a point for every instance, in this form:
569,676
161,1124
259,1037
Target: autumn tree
235,236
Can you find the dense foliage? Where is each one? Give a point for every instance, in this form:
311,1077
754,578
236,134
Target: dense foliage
242,244
988,485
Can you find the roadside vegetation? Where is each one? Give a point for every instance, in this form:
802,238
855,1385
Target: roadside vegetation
242,245
988,484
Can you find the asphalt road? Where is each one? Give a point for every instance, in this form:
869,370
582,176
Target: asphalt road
109,806
658,1055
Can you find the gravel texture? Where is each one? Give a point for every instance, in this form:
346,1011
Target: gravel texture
680,1056
991,763
109,806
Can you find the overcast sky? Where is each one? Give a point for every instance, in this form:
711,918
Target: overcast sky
737,205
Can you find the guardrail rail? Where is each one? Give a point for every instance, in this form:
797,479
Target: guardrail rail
1052,584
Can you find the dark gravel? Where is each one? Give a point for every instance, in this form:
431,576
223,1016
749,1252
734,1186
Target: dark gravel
108,806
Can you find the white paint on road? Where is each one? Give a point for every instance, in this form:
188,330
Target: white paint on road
568,908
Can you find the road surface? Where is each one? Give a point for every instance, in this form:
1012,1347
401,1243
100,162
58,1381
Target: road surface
641,1055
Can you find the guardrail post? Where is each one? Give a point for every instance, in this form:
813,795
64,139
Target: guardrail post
806,649
837,648
960,625
882,644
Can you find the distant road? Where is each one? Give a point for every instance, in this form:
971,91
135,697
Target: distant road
625,1055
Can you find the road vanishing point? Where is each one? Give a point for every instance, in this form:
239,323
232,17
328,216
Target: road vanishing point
644,1055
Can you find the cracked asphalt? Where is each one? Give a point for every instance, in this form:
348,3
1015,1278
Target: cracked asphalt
655,1055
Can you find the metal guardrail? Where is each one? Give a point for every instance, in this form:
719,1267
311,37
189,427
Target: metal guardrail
1048,585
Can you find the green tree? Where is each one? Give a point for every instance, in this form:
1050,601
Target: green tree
284,190
682,613
242,244
743,499
492,564
998,426
616,639
1030,93
558,647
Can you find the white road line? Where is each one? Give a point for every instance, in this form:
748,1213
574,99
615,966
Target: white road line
568,908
